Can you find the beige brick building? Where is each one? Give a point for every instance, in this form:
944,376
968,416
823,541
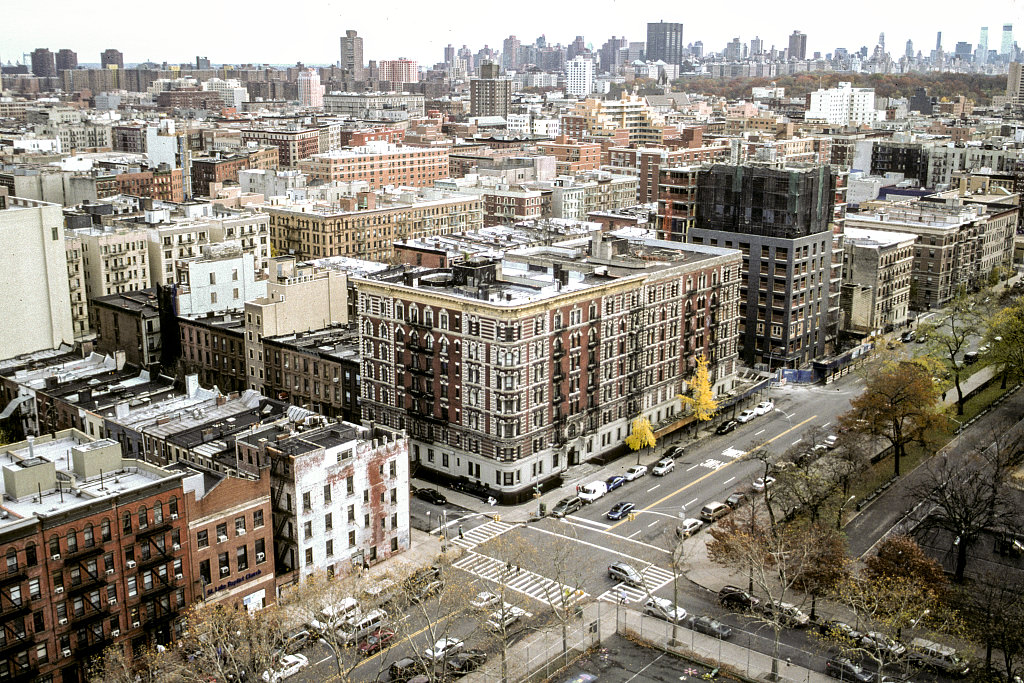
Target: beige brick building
380,164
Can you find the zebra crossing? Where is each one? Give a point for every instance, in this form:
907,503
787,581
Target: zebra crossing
481,534
654,578
533,585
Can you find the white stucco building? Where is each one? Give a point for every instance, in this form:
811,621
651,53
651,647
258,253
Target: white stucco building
579,76
843,106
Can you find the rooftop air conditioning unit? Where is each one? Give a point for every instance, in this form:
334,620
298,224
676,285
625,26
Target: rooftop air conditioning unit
58,589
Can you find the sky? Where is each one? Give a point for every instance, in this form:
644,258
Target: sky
262,32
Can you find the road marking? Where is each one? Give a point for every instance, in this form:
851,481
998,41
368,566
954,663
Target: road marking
700,479
652,524
589,521
827,423
693,468
690,503
796,442
634,534
408,638
760,432
323,660
729,479
653,487
601,547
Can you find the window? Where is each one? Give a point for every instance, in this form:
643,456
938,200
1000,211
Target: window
351,513
133,586
240,526
222,532
12,561
327,493
222,563
351,539
309,556
242,558
204,572
72,541
307,530
105,530
330,548
203,539
328,521
260,547
307,505
257,519
33,588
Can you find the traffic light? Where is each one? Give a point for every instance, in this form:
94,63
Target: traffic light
631,516
497,518
536,490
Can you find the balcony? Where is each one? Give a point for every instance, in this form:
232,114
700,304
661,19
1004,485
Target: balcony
14,645
10,579
84,553
90,616
15,611
154,529
88,584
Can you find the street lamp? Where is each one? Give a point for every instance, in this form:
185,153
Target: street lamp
842,508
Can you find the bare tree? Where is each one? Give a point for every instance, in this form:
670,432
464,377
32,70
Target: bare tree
951,337
147,666
566,562
229,643
993,612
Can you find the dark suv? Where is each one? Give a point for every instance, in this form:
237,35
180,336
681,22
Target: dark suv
733,597
567,506
845,670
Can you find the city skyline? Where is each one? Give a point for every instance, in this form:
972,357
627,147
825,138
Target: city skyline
421,35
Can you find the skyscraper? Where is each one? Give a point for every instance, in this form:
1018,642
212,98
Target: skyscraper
938,41
67,59
579,76
352,56
798,45
756,46
982,55
311,93
449,55
489,95
43,63
111,57
909,53
665,42
510,53
1007,44
1015,83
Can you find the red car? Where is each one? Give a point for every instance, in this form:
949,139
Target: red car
376,641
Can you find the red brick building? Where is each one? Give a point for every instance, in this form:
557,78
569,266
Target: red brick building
189,99
164,184
361,136
225,167
292,145
571,155
380,164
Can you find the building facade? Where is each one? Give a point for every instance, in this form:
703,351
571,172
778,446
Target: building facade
882,261
380,164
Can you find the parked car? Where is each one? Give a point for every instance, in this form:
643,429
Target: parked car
615,482
883,645
620,571
732,597
620,510
746,416
592,491
971,357
499,620
431,496
675,452
907,336
839,630
727,427
635,472
714,511
427,590
710,627
295,641
938,657
467,660
788,613
567,506
404,669
830,441
663,608
445,647
288,666
663,467
688,528
764,407
762,483
376,641
845,670
423,575
921,338
736,499
484,600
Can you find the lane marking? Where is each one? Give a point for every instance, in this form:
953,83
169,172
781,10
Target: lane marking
602,525
700,479
729,479
630,537
693,468
328,657
652,524
760,432
796,442
653,487
601,547
690,503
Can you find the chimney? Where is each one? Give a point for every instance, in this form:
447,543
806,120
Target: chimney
191,385
121,410
119,359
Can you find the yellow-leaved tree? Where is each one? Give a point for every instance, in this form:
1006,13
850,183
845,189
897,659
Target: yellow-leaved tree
641,435
702,401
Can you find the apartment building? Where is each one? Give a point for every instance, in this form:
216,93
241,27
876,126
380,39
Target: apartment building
399,71
600,119
576,197
225,167
165,184
379,164
95,555
781,219
881,261
293,144
365,224
339,494
677,202
646,163
506,372
76,285
572,156
113,259
375,106
957,245
212,346
230,541
129,322
32,241
221,279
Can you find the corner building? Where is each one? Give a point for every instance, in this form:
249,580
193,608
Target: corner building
506,372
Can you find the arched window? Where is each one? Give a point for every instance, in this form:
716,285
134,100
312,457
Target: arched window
105,530
399,335
87,536
400,311
12,561
31,556
54,545
443,320
172,507
72,539
126,525
143,517
158,513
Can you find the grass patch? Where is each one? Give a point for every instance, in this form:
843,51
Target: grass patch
980,401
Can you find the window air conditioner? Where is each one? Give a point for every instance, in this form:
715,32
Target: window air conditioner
66,652
115,633
55,557
179,577
260,557
130,564
135,624
62,622
109,572
58,589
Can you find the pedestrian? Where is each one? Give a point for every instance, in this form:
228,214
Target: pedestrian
517,570
460,532
508,567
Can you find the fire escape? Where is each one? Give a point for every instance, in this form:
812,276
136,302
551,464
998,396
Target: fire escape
16,644
154,558
635,354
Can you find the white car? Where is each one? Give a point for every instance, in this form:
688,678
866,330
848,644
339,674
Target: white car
746,416
635,472
764,407
443,648
289,666
689,527
760,484
510,614
485,600
664,609
663,467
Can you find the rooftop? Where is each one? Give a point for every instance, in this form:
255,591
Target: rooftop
338,342
863,237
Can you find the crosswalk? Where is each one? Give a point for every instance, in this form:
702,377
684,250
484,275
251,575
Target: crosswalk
481,534
654,578
540,588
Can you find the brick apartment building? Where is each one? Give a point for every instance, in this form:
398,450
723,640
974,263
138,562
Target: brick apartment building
164,184
505,373
222,168
572,156
213,347
95,555
292,145
380,164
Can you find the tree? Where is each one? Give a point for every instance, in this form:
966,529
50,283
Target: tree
641,435
993,612
970,495
702,401
147,666
1005,338
230,643
827,567
776,555
902,556
806,479
899,404
565,563
950,338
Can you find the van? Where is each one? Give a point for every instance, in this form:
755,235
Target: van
363,625
332,616
714,511
938,657
566,506
592,491
380,593
971,357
